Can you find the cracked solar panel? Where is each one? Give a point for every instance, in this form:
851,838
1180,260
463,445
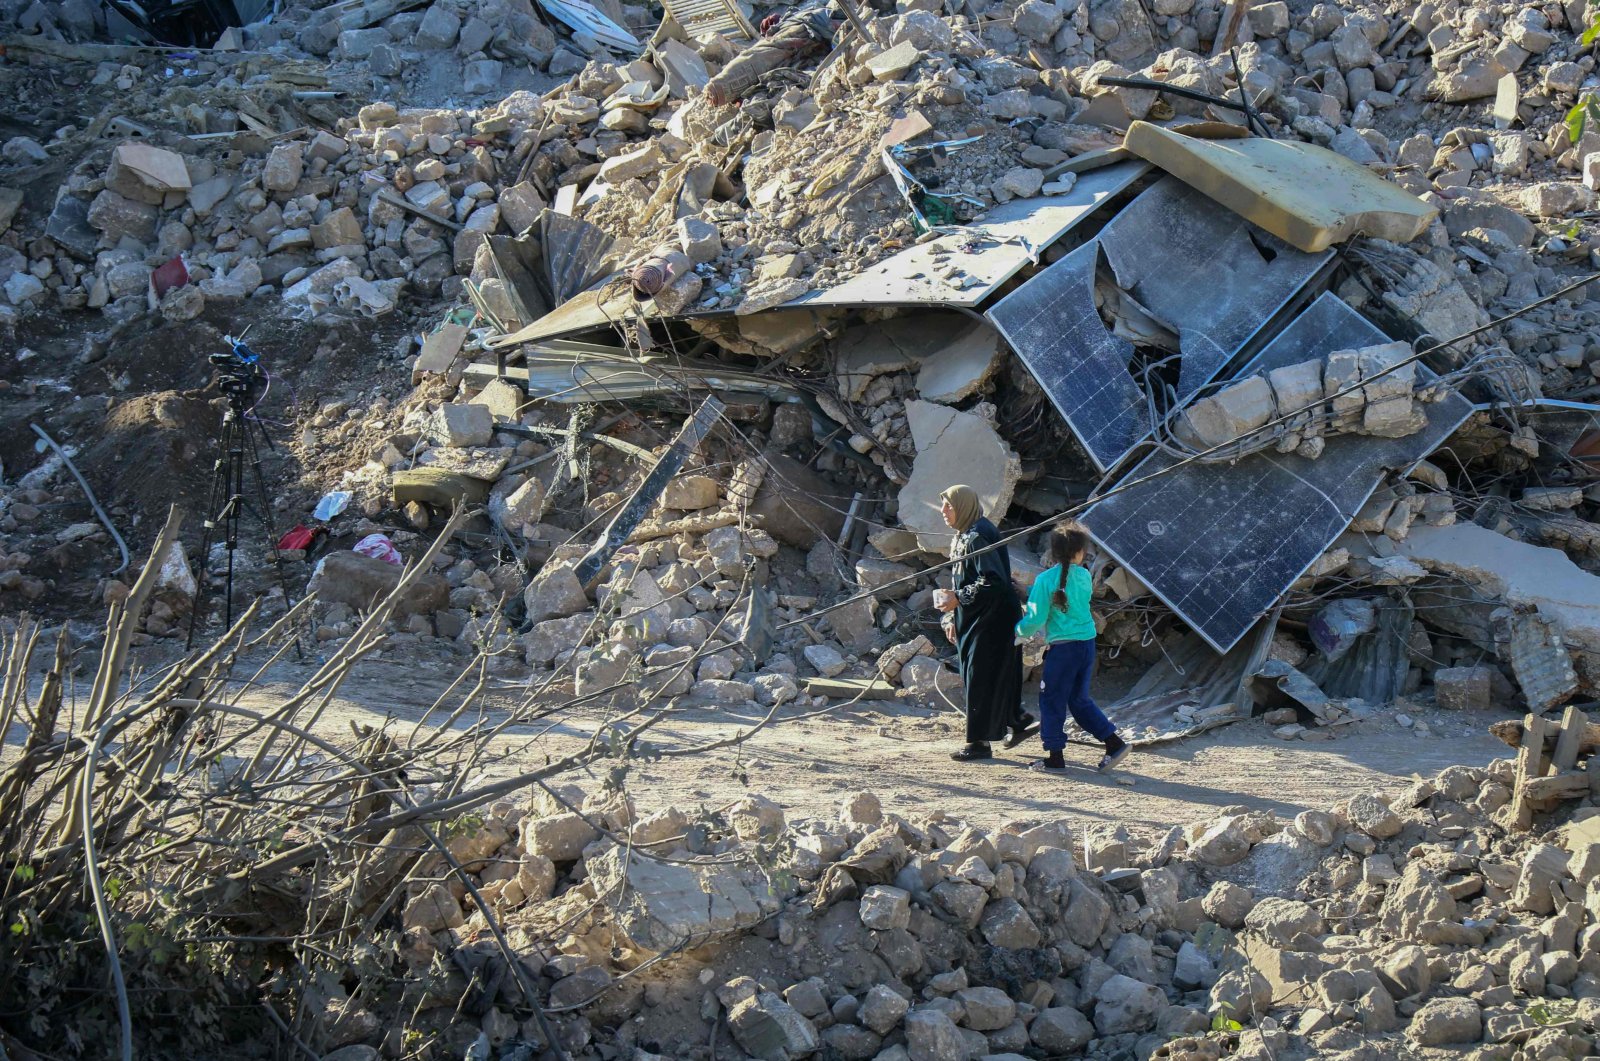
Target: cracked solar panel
1204,271
1220,543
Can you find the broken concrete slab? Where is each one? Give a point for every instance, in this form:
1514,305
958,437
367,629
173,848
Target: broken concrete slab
1518,573
959,367
1305,194
146,173
953,447
664,906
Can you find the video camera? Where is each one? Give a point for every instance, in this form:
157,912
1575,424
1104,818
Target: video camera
240,375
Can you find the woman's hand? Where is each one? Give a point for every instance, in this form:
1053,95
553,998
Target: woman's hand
945,600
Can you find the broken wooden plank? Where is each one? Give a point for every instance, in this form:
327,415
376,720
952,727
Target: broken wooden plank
638,506
1530,766
407,205
1565,756
1510,731
1569,785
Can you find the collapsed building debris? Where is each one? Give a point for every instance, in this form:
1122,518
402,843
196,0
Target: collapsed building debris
530,916
1253,288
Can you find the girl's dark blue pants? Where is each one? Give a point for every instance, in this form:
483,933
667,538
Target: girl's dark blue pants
1068,665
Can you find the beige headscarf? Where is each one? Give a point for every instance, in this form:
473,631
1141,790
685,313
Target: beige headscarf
964,499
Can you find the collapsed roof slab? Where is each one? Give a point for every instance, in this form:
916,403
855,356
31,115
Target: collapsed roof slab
1518,573
954,354
953,447
1219,543
1002,242
1302,193
1006,238
1206,273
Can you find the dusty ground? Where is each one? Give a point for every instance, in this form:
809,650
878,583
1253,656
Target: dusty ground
809,764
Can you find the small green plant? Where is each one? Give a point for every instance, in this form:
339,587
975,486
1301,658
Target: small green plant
1578,117
1222,1022
468,824
1591,34
1548,1012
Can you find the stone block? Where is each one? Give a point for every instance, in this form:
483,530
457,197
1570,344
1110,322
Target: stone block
463,424
1556,199
884,908
686,493
554,593
699,240
669,906
481,76
891,65
1463,688
284,167
117,217
1230,413
558,837
341,228
1446,1022
882,1009
438,29
361,582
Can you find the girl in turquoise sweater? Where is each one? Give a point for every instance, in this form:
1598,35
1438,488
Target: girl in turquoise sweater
1059,604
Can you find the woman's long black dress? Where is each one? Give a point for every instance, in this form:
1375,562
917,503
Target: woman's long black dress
986,619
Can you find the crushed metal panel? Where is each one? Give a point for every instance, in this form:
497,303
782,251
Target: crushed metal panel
1191,689
700,17
577,255
572,373
1203,271
1082,367
516,263
645,496
1374,669
1213,276
608,303
1306,194
912,276
1220,543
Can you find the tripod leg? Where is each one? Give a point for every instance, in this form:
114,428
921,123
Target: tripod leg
235,508
213,516
266,518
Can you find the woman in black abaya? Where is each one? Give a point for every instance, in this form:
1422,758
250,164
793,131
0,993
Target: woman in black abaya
981,613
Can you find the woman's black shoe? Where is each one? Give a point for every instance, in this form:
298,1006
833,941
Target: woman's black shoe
1022,731
972,753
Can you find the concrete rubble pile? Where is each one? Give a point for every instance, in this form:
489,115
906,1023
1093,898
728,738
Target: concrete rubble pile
1420,925
387,216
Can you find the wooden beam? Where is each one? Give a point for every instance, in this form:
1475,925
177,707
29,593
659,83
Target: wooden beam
1573,723
1571,785
1510,731
1530,766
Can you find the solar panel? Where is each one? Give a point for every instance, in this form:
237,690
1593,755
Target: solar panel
1220,543
1210,275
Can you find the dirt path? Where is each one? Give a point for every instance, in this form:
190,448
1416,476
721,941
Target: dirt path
809,764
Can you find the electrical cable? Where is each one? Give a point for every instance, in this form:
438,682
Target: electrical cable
1128,485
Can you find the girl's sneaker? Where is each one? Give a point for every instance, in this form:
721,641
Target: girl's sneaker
1053,762
1116,750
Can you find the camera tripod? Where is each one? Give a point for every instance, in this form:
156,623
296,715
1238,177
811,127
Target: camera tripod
239,437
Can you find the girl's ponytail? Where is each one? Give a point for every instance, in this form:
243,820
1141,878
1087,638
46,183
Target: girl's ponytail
1067,542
